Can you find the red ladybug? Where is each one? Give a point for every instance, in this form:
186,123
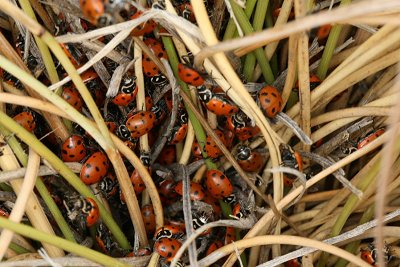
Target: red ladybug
167,155
369,138
141,123
216,103
94,168
94,10
270,101
211,147
214,246
238,123
293,262
250,161
127,92
149,218
108,186
213,202
169,231
27,120
137,182
314,82
156,47
323,32
72,96
112,126
150,69
167,247
291,158
144,28
104,239
189,75
90,211
369,254
73,149
167,189
217,184
230,235
187,12
178,134
196,191
67,50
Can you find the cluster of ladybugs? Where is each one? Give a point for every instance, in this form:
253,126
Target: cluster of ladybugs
129,123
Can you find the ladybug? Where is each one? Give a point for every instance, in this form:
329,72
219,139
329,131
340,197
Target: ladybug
127,92
216,103
169,231
27,120
150,69
123,132
217,184
108,186
89,75
369,254
90,210
167,247
314,81
213,202
95,168
270,101
250,161
167,155
159,113
112,126
369,138
196,191
137,182
293,262
94,11
72,96
156,47
238,212
140,252
149,218
69,51
323,32
141,123
214,246
238,123
104,239
187,12
291,158
4,212
189,75
144,28
230,235
73,149
167,189
178,134
211,147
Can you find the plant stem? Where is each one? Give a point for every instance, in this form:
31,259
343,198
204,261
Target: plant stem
59,242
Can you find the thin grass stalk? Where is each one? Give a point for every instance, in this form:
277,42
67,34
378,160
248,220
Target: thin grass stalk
60,242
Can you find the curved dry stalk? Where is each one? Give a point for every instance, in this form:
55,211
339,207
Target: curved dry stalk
388,158
281,239
312,21
357,231
23,195
266,219
350,112
33,209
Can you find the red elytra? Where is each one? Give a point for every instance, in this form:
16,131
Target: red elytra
141,123
167,155
73,149
144,28
122,99
270,100
178,134
26,120
229,235
66,50
250,161
149,218
72,96
221,106
196,191
90,211
167,247
167,189
150,69
211,147
93,9
213,202
323,31
218,184
189,75
137,182
94,168
368,139
214,246
293,263
112,126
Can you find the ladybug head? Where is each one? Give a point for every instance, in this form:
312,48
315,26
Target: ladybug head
230,199
163,233
238,120
243,152
205,94
145,158
128,84
123,132
159,80
183,118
